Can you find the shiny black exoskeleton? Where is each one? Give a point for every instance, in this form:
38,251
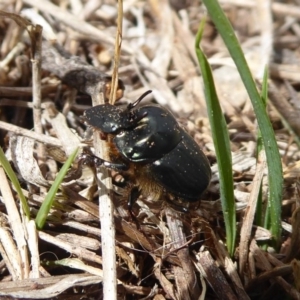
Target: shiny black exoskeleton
147,144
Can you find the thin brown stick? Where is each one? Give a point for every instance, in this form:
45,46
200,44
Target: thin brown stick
36,85
250,212
118,43
106,205
31,134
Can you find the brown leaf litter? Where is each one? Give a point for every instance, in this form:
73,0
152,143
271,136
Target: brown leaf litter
47,80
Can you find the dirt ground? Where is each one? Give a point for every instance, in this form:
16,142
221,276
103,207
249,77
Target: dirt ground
46,85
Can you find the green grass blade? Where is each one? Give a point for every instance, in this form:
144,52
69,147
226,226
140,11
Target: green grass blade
264,89
221,143
13,178
273,157
47,203
260,147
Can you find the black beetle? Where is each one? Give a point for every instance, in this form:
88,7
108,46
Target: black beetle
148,145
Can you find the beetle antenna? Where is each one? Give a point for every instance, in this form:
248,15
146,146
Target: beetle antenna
136,102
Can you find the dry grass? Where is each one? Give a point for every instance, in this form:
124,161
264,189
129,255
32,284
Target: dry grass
172,256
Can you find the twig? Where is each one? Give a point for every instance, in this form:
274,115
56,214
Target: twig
250,212
36,84
106,205
118,43
48,287
31,134
77,250
106,214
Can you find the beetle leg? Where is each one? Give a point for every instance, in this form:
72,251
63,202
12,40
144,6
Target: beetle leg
132,197
89,159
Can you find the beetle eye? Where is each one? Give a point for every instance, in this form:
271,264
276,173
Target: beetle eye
114,128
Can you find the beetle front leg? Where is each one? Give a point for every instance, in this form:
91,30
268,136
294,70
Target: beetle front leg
89,159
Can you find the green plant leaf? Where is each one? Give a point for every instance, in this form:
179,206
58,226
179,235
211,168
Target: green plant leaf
13,178
260,147
221,143
47,203
275,176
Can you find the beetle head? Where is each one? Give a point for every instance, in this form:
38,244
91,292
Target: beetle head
111,119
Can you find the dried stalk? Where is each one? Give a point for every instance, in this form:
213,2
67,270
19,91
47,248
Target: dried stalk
36,85
106,205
